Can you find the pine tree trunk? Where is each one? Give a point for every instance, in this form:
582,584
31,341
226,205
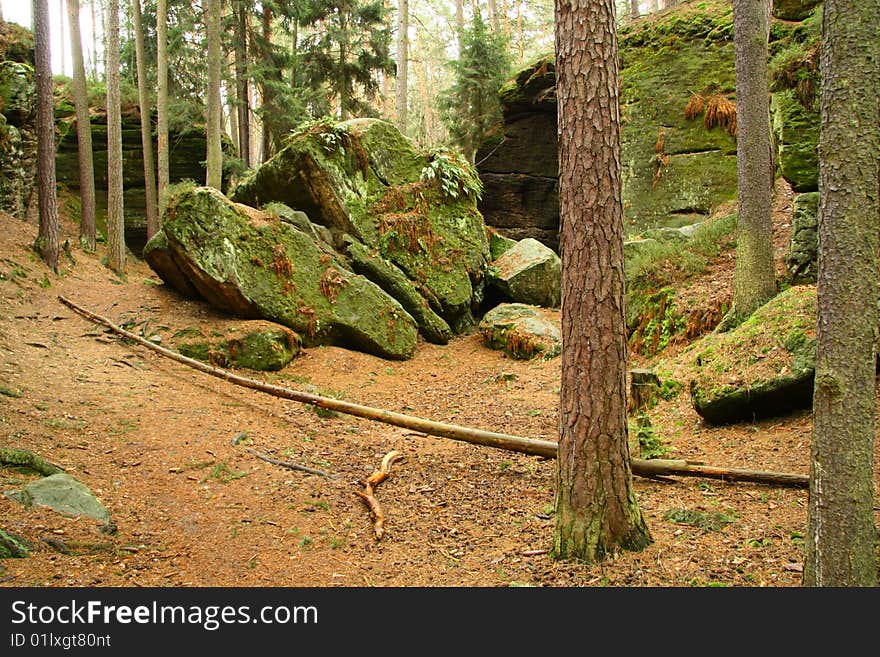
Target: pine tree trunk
840,545
493,16
83,132
61,14
47,199
95,40
214,177
459,22
596,507
115,221
267,94
146,124
400,114
241,85
634,9
163,172
755,278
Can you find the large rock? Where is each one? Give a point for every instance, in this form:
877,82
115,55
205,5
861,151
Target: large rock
363,180
803,250
64,494
529,273
522,331
18,143
253,264
762,368
255,345
677,166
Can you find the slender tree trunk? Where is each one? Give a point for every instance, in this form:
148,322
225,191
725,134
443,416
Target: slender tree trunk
493,16
115,220
214,176
163,172
95,39
596,507
400,104
840,545
755,278
241,85
634,9
459,22
266,91
83,132
47,235
146,124
63,54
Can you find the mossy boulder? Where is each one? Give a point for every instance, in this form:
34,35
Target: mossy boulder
12,546
803,250
64,494
522,331
253,264
762,368
794,10
797,138
363,179
255,345
530,273
18,92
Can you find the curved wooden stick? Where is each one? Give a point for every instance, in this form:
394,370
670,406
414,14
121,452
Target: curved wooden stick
368,495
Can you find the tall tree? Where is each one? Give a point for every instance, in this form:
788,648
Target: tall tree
83,132
243,103
146,123
214,176
755,279
401,89
115,220
840,545
47,235
348,44
596,507
163,172
634,8
471,108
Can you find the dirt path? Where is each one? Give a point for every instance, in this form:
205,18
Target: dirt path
154,440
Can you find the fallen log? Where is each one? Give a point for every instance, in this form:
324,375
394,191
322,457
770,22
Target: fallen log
651,468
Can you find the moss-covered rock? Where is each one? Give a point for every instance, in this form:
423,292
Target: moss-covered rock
528,273
764,367
794,10
18,92
64,494
797,138
522,331
12,546
16,43
803,249
252,264
363,178
255,345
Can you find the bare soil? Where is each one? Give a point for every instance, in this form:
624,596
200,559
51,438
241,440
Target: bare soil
165,448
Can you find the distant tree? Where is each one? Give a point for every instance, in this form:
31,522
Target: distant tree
596,508
634,8
400,104
349,43
163,172
240,49
755,278
214,175
48,233
87,232
470,107
146,123
841,537
115,220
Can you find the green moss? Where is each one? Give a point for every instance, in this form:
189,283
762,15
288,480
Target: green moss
797,136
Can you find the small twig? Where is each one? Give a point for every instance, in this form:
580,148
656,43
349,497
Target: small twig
368,496
533,553
288,464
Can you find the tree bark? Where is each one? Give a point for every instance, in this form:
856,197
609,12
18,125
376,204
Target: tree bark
163,173
241,85
47,199
840,545
146,124
596,508
214,176
755,278
400,113
634,9
83,132
115,220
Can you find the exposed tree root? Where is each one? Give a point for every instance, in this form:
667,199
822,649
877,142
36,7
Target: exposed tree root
369,497
23,458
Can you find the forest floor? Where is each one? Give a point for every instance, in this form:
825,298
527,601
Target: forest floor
156,442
